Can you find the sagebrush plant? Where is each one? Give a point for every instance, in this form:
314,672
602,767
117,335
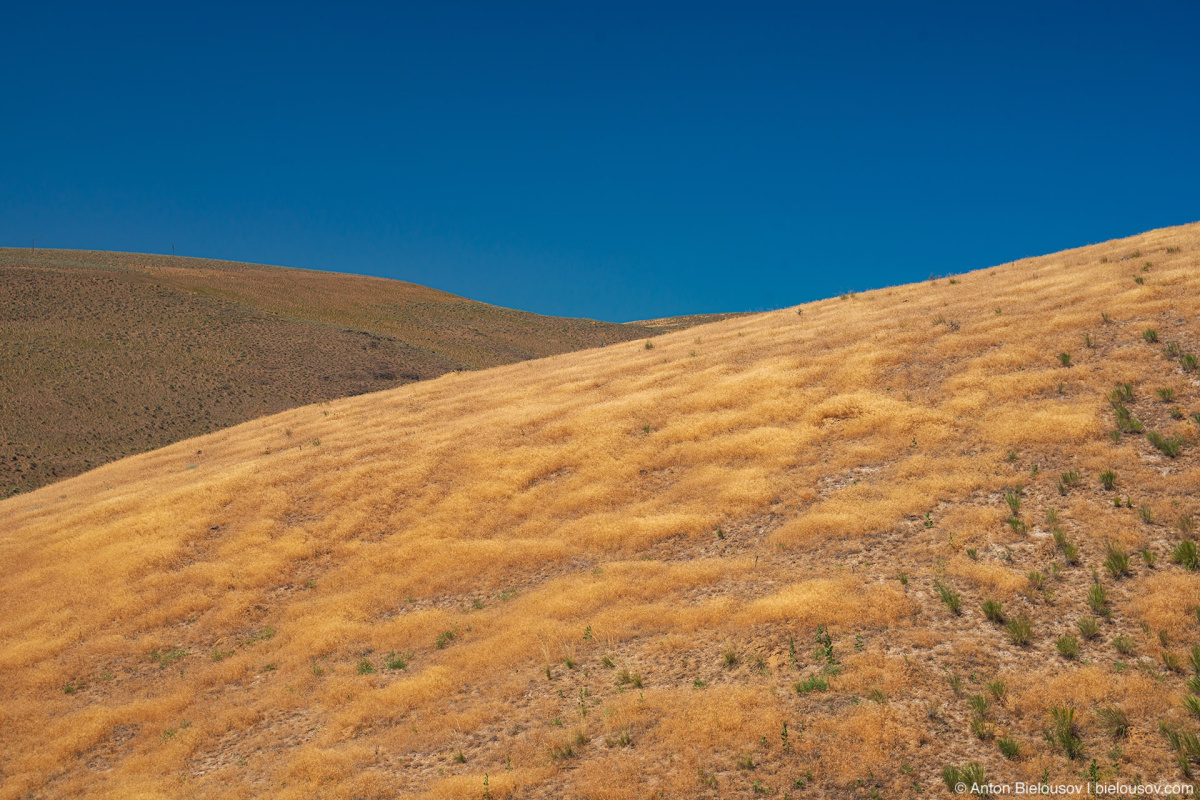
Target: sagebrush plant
1097,599
1068,647
949,597
1114,721
1186,554
1116,560
993,610
971,774
1020,630
1063,733
1170,446
1009,747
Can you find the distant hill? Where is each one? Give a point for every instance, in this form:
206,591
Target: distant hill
103,355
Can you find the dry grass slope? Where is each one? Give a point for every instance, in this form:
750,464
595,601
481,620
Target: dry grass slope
750,559
108,354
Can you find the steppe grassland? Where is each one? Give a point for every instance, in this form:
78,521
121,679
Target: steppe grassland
604,572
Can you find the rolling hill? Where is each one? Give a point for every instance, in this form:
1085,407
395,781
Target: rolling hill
861,548
103,355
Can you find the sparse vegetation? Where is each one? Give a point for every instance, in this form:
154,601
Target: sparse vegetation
1186,554
1009,747
950,598
1116,560
1097,598
813,683
1020,630
1068,647
1170,446
970,775
1114,721
1063,733
525,510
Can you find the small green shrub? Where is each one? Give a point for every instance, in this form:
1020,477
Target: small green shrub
1126,422
981,728
1169,446
1063,732
997,689
393,661
1146,513
1097,599
813,683
1185,554
970,775
627,678
1150,335
1009,747
1020,630
365,667
1116,560
994,611
1114,721
1064,359
444,638
1089,627
1012,498
1068,647
949,597
1124,645
1108,479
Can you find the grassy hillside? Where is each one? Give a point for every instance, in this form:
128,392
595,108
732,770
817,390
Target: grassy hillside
103,355
832,550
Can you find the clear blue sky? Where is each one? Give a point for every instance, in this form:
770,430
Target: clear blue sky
608,159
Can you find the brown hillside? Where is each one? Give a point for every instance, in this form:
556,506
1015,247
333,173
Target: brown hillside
611,573
103,355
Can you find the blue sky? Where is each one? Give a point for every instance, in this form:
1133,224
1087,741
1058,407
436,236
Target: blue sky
612,160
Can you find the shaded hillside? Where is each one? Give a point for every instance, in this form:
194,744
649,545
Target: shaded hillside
842,550
107,354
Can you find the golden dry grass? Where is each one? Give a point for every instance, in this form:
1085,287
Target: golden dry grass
605,571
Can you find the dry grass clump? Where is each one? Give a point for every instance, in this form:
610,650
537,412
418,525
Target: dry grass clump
535,575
